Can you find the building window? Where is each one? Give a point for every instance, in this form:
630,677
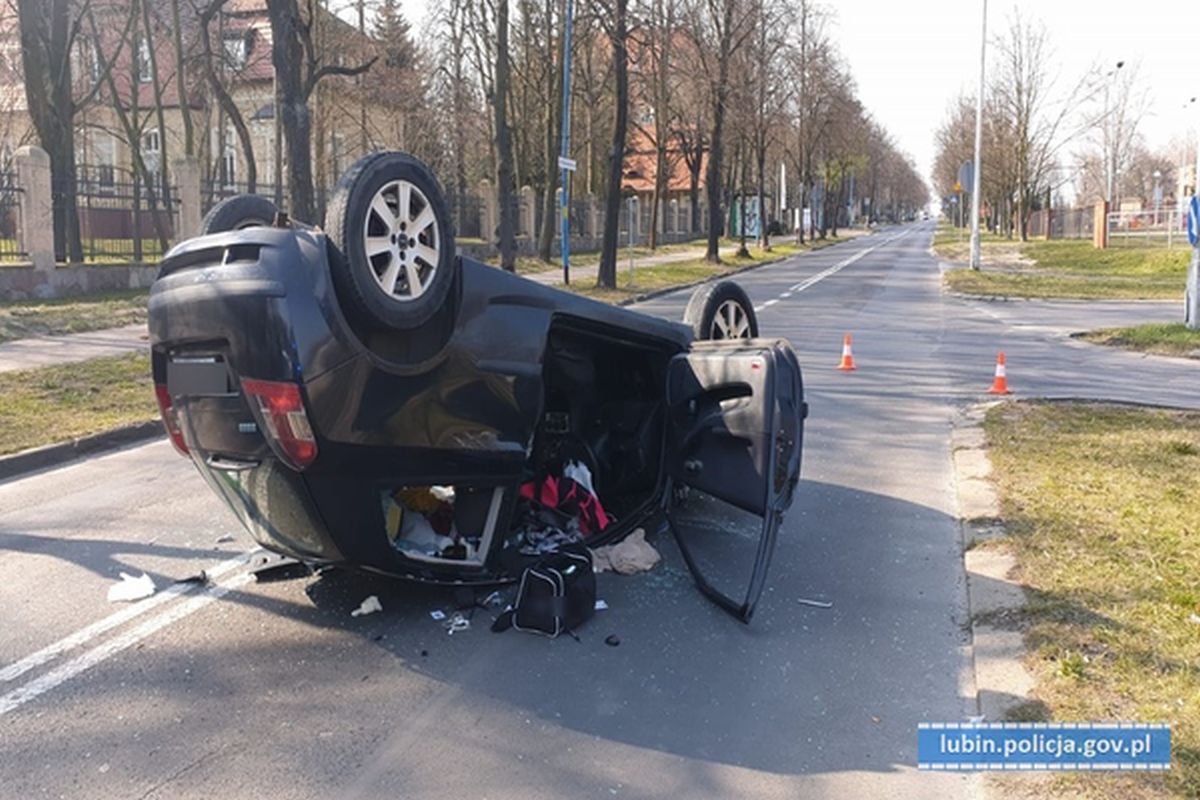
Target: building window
152,151
235,51
229,161
104,150
143,60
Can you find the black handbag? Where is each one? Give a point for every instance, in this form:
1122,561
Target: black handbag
556,595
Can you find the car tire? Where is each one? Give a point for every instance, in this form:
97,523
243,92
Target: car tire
391,275
239,212
721,310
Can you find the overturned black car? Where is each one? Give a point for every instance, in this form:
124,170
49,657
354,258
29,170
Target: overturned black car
363,396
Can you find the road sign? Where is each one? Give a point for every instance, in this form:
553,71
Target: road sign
966,176
1194,221
566,163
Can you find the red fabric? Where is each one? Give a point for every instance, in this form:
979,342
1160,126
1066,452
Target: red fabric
568,496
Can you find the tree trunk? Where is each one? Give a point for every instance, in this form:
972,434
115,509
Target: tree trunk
287,55
713,178
504,148
226,106
185,105
46,40
553,133
764,241
607,275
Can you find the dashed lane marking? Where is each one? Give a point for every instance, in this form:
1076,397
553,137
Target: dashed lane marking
836,268
85,635
76,666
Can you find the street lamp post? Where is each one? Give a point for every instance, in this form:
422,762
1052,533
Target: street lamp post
1110,156
975,178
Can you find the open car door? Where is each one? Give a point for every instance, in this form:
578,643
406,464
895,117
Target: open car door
736,432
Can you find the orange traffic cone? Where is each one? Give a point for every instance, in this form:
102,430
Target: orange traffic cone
1000,382
847,355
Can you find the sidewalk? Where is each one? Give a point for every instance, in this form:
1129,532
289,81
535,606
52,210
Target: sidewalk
45,351
552,276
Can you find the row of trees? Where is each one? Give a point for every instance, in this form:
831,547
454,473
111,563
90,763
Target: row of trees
721,91
1046,140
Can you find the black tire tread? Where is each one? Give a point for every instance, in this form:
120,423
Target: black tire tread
233,212
705,300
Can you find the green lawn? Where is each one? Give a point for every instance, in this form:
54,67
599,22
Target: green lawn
24,318
1073,269
1100,506
1170,339
56,404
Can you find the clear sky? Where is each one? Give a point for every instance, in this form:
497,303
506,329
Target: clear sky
911,59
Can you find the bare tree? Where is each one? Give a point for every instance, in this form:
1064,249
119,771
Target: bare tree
723,26
504,147
49,33
616,24
299,68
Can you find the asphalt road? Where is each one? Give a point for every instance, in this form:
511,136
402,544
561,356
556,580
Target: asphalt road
274,690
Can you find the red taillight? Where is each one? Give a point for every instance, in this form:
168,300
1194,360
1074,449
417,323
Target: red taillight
284,417
166,408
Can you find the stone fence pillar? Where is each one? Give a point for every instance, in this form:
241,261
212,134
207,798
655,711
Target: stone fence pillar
187,186
36,235
489,217
595,221
528,212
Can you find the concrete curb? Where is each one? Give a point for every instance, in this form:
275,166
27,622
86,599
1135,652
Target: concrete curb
54,455
1001,680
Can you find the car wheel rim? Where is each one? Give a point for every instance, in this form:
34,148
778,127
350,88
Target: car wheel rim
401,242
730,322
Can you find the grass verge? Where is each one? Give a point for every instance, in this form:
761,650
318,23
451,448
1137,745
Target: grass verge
1073,270
1100,506
23,318
642,280
55,404
1164,339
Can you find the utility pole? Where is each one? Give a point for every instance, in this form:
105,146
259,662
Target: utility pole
564,160
975,179
1110,138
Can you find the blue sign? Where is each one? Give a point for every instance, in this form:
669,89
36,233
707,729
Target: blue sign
1194,221
966,176
971,746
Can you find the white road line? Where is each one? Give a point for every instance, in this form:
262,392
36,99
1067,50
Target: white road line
769,303
56,677
85,635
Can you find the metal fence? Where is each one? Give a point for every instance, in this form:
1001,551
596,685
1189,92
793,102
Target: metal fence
120,218
1155,228
10,218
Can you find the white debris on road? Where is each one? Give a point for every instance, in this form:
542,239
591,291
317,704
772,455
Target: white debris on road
369,606
130,588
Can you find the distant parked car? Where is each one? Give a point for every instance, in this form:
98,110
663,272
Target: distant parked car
362,396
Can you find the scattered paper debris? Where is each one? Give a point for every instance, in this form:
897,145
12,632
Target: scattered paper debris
805,601
457,623
437,615
629,556
369,606
1194,619
601,605
130,588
